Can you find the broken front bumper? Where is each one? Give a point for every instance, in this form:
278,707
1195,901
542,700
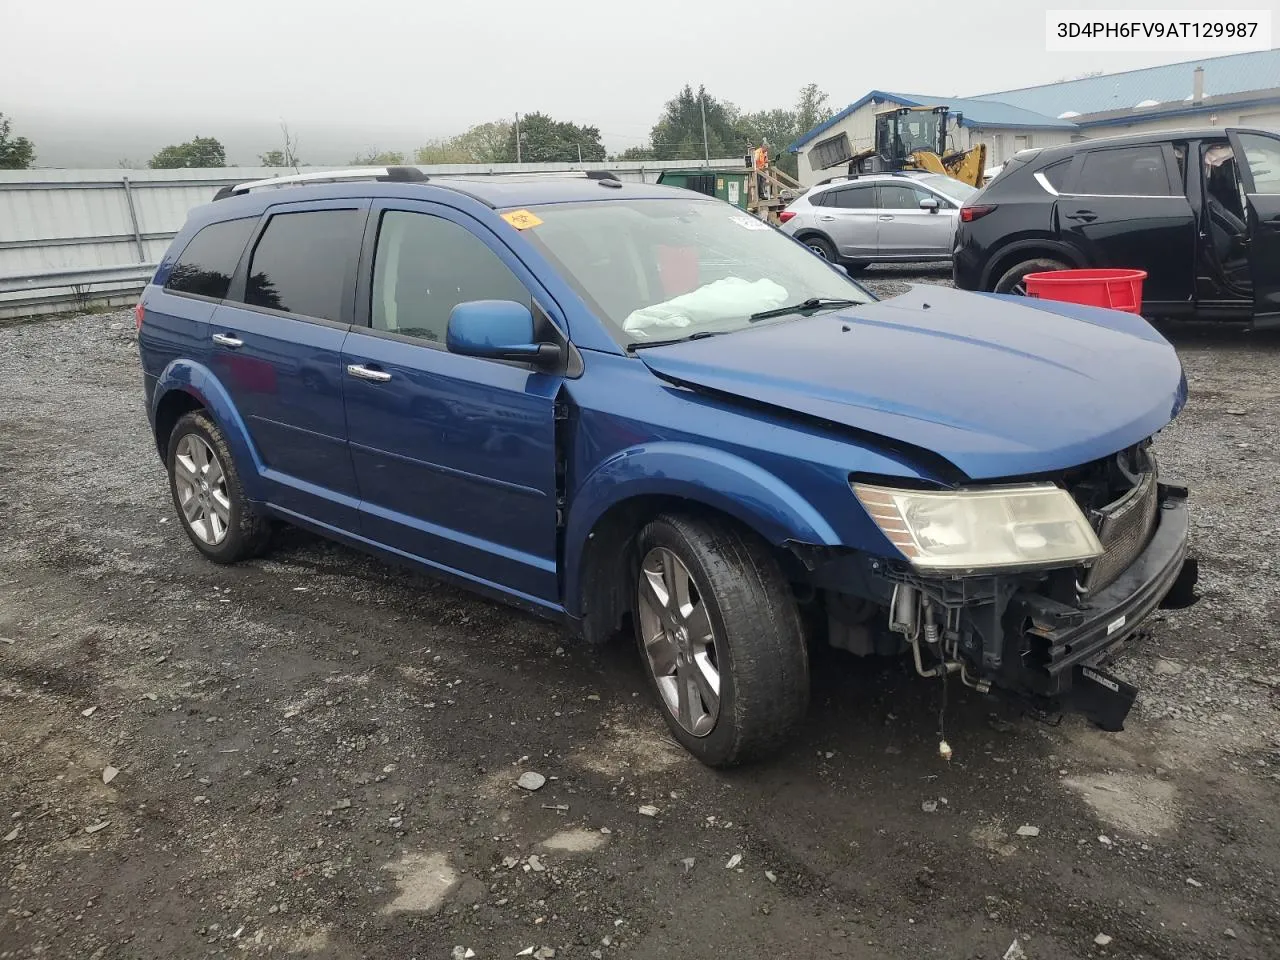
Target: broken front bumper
1061,645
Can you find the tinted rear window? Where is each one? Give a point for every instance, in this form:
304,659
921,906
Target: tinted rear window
1056,174
302,262
209,260
852,198
1127,171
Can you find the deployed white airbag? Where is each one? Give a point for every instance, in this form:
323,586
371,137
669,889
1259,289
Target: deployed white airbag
731,298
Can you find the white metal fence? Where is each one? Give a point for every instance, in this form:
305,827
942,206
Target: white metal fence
70,239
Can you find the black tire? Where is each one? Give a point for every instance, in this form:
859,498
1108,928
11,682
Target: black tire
760,651
856,266
1011,280
822,248
246,532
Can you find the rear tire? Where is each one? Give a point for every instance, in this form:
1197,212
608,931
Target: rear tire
821,248
206,489
725,651
1011,281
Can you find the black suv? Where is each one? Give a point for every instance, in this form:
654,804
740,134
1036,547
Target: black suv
1199,210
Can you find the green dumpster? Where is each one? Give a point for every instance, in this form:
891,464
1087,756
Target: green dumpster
728,185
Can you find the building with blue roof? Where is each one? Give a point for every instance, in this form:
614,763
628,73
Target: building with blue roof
1241,89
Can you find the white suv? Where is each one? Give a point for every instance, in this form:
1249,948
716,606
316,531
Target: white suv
878,218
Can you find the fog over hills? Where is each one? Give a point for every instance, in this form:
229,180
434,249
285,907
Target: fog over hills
88,142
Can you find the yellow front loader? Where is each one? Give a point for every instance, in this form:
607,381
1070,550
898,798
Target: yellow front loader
915,138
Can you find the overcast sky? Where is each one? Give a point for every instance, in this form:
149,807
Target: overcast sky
401,73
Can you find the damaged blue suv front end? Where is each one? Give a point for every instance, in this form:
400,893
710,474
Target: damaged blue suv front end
1033,533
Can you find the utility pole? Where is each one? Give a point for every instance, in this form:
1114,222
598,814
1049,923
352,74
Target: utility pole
517,138
706,150
579,153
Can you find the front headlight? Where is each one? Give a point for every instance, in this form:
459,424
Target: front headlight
1028,525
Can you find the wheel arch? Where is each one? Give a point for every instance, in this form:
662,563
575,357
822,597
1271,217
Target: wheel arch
172,406
627,491
185,386
1005,257
806,233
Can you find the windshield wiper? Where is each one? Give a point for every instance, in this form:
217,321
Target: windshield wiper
700,335
813,303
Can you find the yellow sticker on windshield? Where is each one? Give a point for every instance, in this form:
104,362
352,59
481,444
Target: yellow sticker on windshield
521,219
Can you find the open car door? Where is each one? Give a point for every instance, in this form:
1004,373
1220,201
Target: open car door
1258,159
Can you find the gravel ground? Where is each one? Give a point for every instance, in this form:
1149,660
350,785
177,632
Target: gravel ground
316,755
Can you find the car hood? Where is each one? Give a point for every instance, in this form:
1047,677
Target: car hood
998,386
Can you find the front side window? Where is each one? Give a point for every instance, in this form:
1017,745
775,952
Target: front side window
1124,172
425,266
209,260
302,262
1262,154
949,187
668,268
899,196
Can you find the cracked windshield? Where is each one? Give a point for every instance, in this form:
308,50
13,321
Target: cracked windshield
661,270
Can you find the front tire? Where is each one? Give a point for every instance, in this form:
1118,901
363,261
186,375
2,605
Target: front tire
1013,279
721,639
206,489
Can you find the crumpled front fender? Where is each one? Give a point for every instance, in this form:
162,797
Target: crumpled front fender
711,477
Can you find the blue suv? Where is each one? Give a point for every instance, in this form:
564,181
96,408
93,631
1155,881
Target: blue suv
613,403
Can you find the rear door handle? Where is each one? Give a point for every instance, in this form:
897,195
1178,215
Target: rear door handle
1088,216
826,219
365,373
886,216
227,340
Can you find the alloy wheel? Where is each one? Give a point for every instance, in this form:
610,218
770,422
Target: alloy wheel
201,484
679,642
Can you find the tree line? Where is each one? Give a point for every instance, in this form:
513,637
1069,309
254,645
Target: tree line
678,134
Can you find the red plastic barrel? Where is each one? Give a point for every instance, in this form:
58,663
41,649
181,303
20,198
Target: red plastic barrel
1114,289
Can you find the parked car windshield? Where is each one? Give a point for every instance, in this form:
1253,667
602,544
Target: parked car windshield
957,190
663,269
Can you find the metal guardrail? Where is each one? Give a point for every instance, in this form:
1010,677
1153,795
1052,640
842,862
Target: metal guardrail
68,222
76,277
52,290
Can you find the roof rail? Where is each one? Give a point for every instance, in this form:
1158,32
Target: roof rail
392,174
883,173
605,176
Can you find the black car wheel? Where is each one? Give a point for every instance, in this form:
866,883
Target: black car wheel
718,629
206,490
822,248
1012,281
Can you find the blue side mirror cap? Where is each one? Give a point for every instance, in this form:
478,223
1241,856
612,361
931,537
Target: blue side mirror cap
496,330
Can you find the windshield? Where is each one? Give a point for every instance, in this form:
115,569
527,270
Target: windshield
918,130
957,190
664,269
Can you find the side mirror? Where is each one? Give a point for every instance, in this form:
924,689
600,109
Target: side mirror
930,204
497,330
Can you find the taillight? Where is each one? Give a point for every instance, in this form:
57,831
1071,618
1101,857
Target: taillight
786,215
138,314
976,212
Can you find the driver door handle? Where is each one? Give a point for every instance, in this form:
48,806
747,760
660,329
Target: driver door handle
1088,216
362,372
227,340
886,216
